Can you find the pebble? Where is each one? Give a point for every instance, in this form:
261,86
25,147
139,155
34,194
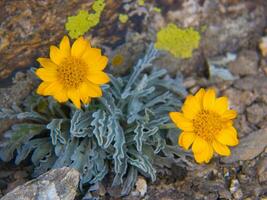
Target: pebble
235,189
141,186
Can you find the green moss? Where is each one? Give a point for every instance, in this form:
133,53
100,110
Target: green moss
80,24
123,18
179,42
141,2
156,9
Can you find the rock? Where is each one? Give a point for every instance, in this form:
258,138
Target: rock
256,113
235,189
263,46
244,99
241,124
20,87
252,83
141,186
32,29
262,170
245,64
249,147
57,184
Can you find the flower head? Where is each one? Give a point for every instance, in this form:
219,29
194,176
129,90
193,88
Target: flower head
206,124
73,73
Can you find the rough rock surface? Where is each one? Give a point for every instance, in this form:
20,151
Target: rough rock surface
57,184
249,147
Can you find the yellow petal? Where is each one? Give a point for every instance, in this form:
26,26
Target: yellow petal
47,63
79,47
181,121
97,77
199,145
41,88
191,107
86,100
199,96
64,46
91,56
229,114
84,93
47,74
53,88
61,96
74,96
102,63
221,105
209,99
93,90
228,136
205,155
199,157
56,55
186,139
220,148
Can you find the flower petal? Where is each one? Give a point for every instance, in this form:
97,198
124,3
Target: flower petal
199,145
47,63
191,107
42,87
229,114
74,96
228,136
209,99
180,121
93,90
97,77
204,156
84,93
221,105
186,139
221,148
64,46
199,96
56,55
46,74
102,63
91,56
79,47
61,95
52,88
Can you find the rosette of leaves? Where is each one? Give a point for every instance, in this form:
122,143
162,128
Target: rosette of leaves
121,133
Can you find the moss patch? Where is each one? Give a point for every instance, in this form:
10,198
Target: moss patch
80,24
179,42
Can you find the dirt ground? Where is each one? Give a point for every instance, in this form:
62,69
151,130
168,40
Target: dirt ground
27,28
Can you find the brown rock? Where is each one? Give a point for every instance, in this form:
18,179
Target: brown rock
245,64
252,83
262,170
57,184
29,27
249,147
256,113
244,99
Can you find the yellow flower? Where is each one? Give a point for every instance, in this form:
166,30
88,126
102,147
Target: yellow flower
206,124
73,73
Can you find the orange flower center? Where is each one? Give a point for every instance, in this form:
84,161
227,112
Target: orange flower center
207,124
72,72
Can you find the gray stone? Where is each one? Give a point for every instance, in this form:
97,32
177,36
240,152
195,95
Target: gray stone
57,184
245,64
249,147
256,113
256,83
262,170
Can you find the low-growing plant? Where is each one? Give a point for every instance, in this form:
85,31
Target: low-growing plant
123,133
